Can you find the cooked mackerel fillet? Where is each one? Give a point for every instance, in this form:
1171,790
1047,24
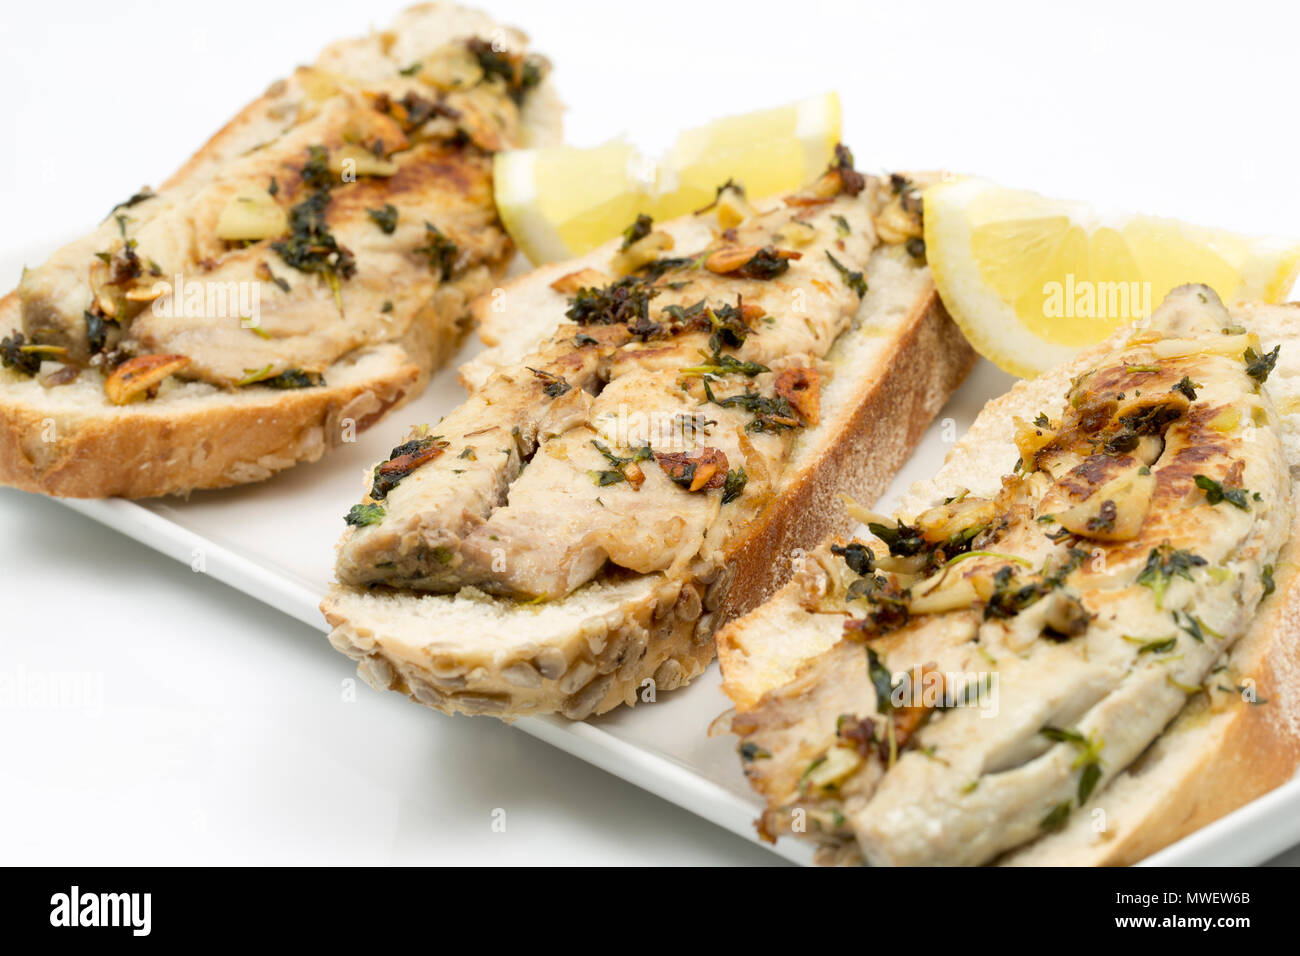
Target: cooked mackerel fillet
971,677
354,199
652,426
658,426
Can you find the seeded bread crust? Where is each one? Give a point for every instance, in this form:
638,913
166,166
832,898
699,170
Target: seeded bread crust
594,650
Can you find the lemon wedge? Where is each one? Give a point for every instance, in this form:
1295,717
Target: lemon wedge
1032,280
560,202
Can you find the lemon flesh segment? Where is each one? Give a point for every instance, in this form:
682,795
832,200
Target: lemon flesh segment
561,202
768,152
1032,280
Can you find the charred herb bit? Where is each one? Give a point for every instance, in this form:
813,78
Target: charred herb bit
316,171
439,250
621,302
294,378
1259,366
734,485
403,460
727,325
387,306
768,263
468,453
385,218
695,471
637,231
853,280
1008,598
582,338
903,540
123,265
553,385
1042,421
17,356
411,70
273,189
860,559
644,328
96,332
858,731
1164,563
519,73
1104,519
752,751
770,414
1187,387
915,247
842,225
1215,493
365,514
311,247
888,607
851,180
659,267
1266,578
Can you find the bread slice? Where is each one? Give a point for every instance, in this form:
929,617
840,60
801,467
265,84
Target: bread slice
1223,749
594,649
70,440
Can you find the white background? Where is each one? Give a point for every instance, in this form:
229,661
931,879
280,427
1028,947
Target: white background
215,729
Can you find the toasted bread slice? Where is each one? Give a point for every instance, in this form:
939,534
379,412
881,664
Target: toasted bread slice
594,648
230,218
1231,742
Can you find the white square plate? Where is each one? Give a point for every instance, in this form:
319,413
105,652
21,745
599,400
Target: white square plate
275,542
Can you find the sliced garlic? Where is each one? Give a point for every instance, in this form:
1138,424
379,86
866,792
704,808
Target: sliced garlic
356,159
251,214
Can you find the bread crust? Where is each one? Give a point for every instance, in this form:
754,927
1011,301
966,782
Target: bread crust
881,430
144,451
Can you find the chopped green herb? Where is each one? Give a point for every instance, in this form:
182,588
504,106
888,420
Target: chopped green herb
1216,493
1187,387
1259,366
439,250
1056,818
384,217
1163,565
366,514
734,486
852,279
639,229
